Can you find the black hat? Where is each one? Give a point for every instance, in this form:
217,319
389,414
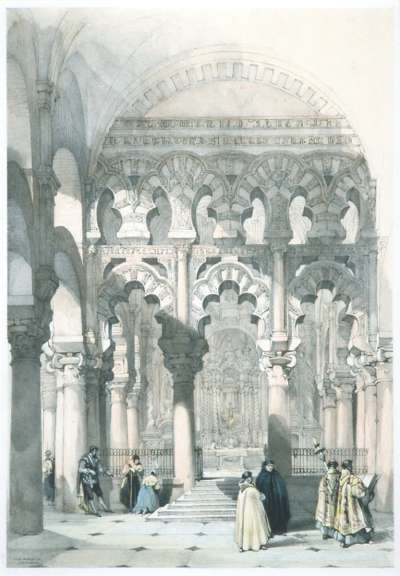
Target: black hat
347,464
268,461
332,464
246,475
93,448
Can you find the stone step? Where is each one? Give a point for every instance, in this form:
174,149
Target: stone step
193,517
197,511
199,500
200,505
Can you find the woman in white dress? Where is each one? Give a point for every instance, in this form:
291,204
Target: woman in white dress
252,529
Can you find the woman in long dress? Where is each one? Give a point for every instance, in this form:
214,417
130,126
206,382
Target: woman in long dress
148,500
132,476
252,529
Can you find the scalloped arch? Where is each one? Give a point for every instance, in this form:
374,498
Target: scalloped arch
153,284
234,272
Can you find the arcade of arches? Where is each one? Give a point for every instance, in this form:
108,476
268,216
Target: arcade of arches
186,282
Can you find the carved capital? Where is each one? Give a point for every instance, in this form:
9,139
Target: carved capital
26,338
72,367
118,391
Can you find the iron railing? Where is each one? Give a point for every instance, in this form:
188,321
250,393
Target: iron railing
306,463
161,460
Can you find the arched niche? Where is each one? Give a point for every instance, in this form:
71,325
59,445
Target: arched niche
66,306
68,200
159,218
108,218
18,117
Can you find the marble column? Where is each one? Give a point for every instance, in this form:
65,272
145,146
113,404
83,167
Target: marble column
182,304
329,404
372,297
59,450
384,449
133,420
119,421
361,409
25,487
344,413
279,439
278,295
48,385
183,351
71,386
93,405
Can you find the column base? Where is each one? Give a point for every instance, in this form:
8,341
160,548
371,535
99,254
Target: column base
178,489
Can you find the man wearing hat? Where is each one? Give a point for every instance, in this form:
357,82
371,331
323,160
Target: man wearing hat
270,483
327,500
89,471
353,522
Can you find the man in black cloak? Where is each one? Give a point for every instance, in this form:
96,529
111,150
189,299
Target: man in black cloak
270,483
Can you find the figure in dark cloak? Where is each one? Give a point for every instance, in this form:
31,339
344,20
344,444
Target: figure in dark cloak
270,483
132,476
48,476
89,471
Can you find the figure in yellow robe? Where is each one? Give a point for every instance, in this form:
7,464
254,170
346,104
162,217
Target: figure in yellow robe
327,501
353,520
252,529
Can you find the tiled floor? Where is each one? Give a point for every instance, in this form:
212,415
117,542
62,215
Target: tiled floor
122,540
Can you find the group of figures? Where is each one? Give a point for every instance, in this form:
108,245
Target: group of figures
262,509
263,505
343,506
139,494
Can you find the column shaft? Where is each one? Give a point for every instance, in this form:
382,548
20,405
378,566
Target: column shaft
344,415
59,450
279,441
133,422
119,421
26,501
330,419
182,286
384,450
361,417
183,424
278,295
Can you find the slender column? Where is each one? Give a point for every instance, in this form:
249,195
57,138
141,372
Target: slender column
119,422
370,438
344,414
329,404
372,297
278,295
49,405
279,441
133,419
361,412
182,285
59,450
384,451
93,406
74,424
25,496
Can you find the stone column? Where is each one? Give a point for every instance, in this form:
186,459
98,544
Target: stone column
370,415
329,403
25,486
372,297
92,375
182,304
133,419
384,450
48,384
361,408
72,387
278,294
119,422
344,413
183,351
59,450
279,439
